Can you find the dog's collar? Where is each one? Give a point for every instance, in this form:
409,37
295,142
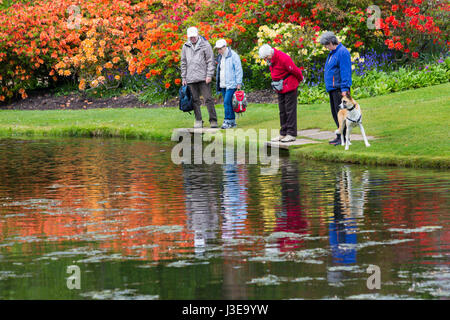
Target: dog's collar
352,108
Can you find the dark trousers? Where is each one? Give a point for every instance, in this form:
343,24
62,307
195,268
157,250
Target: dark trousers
335,101
287,103
202,89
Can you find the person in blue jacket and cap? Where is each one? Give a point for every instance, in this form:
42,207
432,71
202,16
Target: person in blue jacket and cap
337,75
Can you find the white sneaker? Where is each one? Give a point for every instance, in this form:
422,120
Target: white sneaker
198,124
277,138
288,138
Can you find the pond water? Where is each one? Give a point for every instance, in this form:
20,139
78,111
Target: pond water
139,226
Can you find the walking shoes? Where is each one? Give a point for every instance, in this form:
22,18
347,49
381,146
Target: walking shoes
228,124
198,124
277,138
288,138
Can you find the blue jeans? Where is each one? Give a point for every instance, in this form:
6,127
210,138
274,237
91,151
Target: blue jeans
227,103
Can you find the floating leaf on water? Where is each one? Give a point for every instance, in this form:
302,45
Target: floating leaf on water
302,279
311,253
117,294
10,274
378,243
279,235
346,268
163,229
421,229
268,280
184,263
313,261
377,296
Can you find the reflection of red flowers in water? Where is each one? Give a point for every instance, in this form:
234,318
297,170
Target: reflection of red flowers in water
86,213
293,219
409,212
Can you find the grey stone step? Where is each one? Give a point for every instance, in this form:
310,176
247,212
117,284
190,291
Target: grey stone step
286,145
328,135
198,130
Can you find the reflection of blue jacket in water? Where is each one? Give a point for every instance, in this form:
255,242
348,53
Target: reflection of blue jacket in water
342,232
342,242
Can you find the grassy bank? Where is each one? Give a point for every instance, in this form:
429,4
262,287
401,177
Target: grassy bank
411,127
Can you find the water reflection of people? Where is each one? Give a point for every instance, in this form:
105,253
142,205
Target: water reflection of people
234,215
202,187
291,216
234,196
349,199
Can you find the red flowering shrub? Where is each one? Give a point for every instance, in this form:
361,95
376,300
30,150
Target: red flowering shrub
38,46
413,26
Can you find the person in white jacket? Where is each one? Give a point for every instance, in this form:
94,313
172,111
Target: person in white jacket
229,79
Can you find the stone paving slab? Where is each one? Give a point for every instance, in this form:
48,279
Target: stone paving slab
308,132
320,135
198,130
328,135
286,145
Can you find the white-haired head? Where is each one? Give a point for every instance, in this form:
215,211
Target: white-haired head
265,50
327,38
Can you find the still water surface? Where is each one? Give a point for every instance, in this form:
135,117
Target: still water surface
140,227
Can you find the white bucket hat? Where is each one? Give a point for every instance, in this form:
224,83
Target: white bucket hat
192,32
220,43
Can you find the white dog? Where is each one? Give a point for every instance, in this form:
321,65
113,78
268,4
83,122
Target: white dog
350,116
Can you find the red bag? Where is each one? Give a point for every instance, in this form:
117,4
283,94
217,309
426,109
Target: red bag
239,101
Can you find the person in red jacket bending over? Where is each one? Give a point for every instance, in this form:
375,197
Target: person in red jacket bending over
286,77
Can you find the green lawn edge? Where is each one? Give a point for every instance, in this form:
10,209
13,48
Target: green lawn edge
411,127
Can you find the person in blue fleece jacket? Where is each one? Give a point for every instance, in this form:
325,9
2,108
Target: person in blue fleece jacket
337,75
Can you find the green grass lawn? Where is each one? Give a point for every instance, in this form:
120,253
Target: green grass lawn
411,127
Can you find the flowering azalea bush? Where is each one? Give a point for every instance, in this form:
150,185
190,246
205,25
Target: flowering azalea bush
32,40
42,43
376,82
97,61
410,26
300,42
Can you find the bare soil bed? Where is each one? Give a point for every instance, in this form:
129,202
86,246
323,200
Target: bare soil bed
47,101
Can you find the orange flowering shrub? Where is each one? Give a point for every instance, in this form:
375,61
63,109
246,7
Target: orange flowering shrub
32,39
43,42
101,57
96,42
158,53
